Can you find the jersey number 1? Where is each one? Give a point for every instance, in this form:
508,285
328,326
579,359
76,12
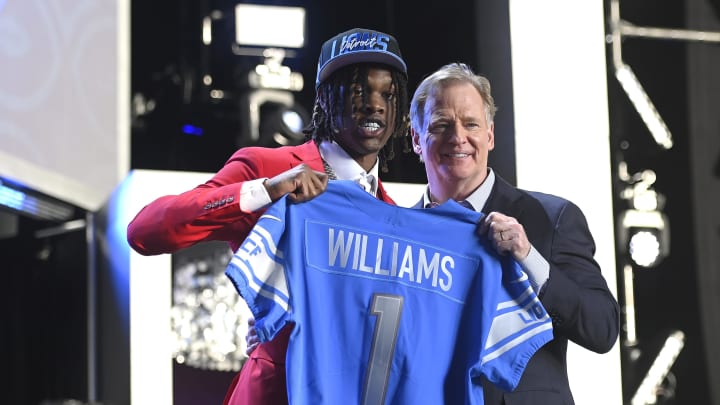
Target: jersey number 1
388,309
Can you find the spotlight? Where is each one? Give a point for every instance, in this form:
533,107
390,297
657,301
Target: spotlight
268,102
647,392
268,113
644,247
271,117
645,108
282,124
644,230
260,85
646,236
287,29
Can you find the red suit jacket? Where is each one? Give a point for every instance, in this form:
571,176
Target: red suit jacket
210,212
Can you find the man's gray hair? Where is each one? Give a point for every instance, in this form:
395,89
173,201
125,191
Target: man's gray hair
445,76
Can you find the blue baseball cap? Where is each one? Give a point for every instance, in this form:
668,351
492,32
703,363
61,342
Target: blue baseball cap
358,45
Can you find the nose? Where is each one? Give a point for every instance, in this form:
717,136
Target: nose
457,134
374,103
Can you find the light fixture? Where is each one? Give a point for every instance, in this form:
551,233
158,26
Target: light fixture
643,229
19,199
647,392
644,106
270,34
269,26
268,113
629,82
630,327
281,124
256,27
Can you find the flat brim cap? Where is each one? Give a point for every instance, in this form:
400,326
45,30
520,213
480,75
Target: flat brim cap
358,45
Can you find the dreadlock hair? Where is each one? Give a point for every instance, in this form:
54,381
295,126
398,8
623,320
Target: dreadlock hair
330,103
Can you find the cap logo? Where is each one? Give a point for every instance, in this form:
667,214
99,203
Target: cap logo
358,46
362,42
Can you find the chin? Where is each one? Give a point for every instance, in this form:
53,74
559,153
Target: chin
459,173
373,143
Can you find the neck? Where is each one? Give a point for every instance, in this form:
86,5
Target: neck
366,161
458,190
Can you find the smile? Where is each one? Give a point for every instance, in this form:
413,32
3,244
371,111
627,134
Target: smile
370,126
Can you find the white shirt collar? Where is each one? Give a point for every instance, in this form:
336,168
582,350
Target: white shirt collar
345,167
477,198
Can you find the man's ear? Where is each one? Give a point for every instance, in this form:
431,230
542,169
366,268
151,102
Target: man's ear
491,136
415,141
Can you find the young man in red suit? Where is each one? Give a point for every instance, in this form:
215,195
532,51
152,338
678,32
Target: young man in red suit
361,105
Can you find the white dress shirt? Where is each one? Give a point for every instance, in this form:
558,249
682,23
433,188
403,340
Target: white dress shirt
346,168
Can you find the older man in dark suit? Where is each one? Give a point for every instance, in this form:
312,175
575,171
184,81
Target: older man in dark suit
452,130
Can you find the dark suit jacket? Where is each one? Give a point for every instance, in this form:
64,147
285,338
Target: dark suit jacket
576,295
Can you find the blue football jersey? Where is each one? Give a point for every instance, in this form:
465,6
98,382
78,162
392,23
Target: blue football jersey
391,305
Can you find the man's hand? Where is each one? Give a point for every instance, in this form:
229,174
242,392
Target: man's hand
251,338
506,233
300,183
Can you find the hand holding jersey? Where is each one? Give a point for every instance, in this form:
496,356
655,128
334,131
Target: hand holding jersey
251,339
301,183
507,234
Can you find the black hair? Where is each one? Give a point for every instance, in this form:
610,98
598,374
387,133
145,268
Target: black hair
330,103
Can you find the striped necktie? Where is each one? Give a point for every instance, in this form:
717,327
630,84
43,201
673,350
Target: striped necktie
365,181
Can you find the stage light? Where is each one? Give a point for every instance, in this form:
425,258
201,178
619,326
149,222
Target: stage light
268,112
282,124
270,26
271,74
628,291
644,107
647,392
619,29
19,199
643,229
646,236
293,120
644,247
193,130
267,103
260,85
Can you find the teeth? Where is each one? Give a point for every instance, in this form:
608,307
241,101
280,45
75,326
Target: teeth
371,126
458,155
